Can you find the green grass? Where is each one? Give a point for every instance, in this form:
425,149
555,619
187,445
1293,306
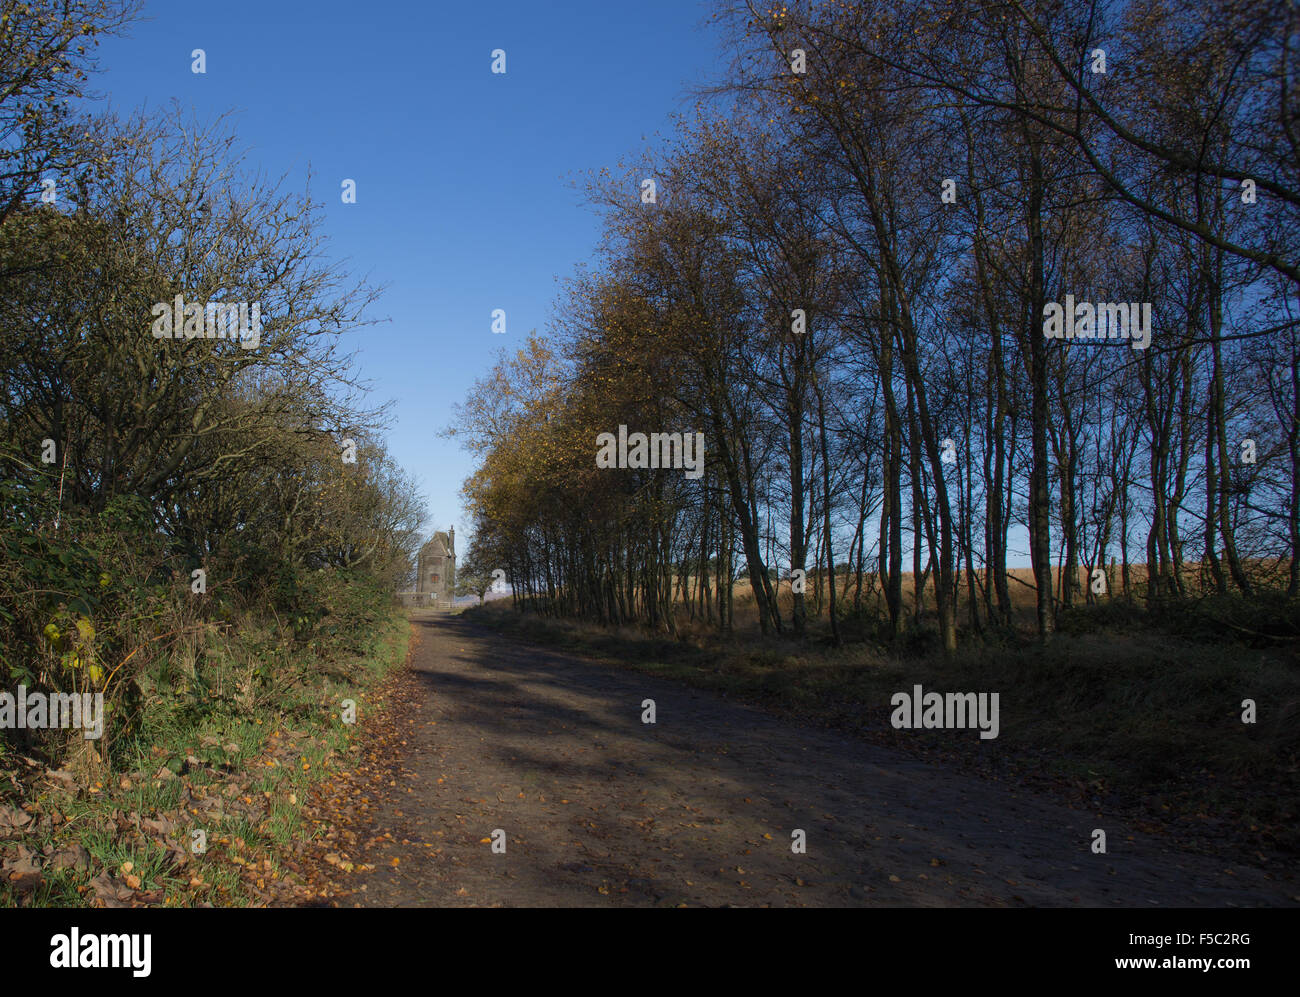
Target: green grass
217,738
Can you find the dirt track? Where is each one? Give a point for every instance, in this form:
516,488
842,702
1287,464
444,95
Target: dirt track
600,809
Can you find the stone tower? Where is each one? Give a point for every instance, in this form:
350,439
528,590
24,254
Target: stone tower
435,578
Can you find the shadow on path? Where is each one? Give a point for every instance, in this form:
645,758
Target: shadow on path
699,808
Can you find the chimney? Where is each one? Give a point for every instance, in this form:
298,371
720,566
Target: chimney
451,543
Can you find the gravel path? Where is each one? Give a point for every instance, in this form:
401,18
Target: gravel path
698,809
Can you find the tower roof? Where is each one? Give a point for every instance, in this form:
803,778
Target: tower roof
439,545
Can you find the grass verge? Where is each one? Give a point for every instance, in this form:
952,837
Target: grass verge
206,797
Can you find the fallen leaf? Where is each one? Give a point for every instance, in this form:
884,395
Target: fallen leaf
72,857
109,892
13,819
160,825
22,872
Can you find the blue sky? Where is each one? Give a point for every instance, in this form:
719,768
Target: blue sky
464,178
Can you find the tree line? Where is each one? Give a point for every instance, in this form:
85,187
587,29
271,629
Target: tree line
129,461
850,270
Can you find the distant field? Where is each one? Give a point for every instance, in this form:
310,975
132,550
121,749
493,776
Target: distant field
1021,590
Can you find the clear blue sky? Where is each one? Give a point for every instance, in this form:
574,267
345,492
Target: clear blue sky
464,196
